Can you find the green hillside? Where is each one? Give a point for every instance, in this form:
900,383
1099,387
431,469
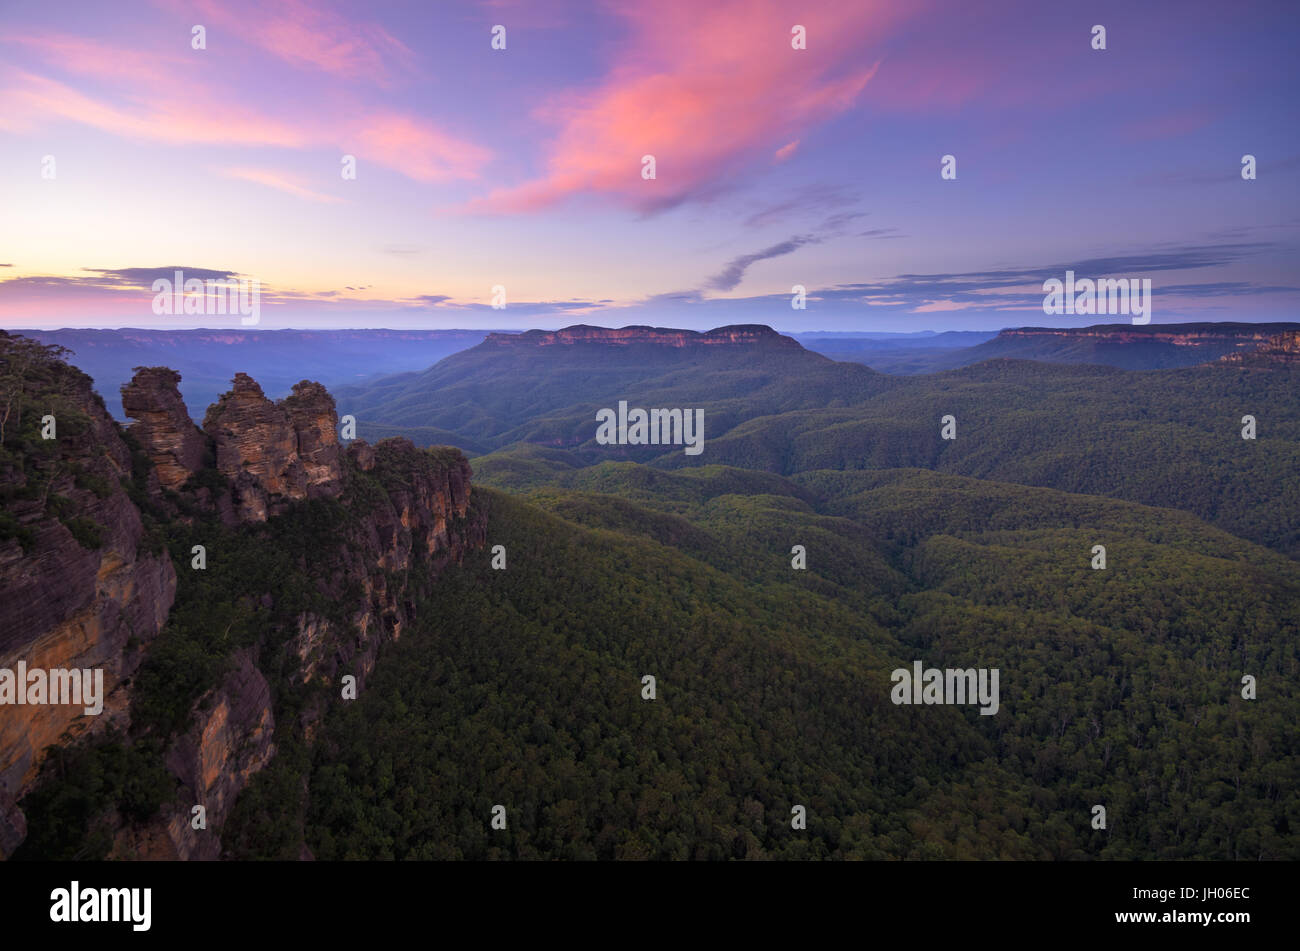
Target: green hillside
1169,438
1119,687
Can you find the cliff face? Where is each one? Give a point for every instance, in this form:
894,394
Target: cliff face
406,517
1277,351
1209,336
739,334
275,453
424,524
214,760
1133,347
79,585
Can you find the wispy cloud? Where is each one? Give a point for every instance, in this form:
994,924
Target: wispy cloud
734,272
1007,288
417,148
160,98
103,60
277,180
312,36
813,199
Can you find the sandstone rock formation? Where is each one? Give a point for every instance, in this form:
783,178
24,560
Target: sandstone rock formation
1279,350
315,425
91,599
97,596
214,760
163,426
424,524
275,453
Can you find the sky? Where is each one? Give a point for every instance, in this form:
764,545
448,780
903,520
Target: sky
126,154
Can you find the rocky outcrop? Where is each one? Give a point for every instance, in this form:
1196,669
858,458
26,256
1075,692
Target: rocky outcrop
275,453
214,760
163,426
1130,346
315,425
80,587
362,454
736,335
394,540
84,585
256,449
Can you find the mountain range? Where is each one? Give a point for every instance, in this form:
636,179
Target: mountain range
1133,347
206,359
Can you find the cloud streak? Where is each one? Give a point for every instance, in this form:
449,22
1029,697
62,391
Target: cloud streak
280,182
312,37
154,97
731,275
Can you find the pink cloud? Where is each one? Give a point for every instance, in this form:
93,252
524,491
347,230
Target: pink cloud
180,111
417,149
96,58
703,88
181,116
277,180
310,36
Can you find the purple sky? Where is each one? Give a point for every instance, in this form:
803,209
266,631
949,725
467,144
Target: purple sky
522,167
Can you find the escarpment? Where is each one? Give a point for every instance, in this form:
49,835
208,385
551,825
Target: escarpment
1280,350
87,580
419,520
741,335
83,585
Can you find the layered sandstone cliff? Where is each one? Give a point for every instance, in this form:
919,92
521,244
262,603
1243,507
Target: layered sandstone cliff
402,515
1188,334
1279,350
739,334
423,524
213,761
80,585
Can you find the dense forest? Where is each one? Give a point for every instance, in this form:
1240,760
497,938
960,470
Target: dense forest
1120,687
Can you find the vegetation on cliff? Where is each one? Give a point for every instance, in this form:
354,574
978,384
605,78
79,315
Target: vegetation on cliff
341,558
